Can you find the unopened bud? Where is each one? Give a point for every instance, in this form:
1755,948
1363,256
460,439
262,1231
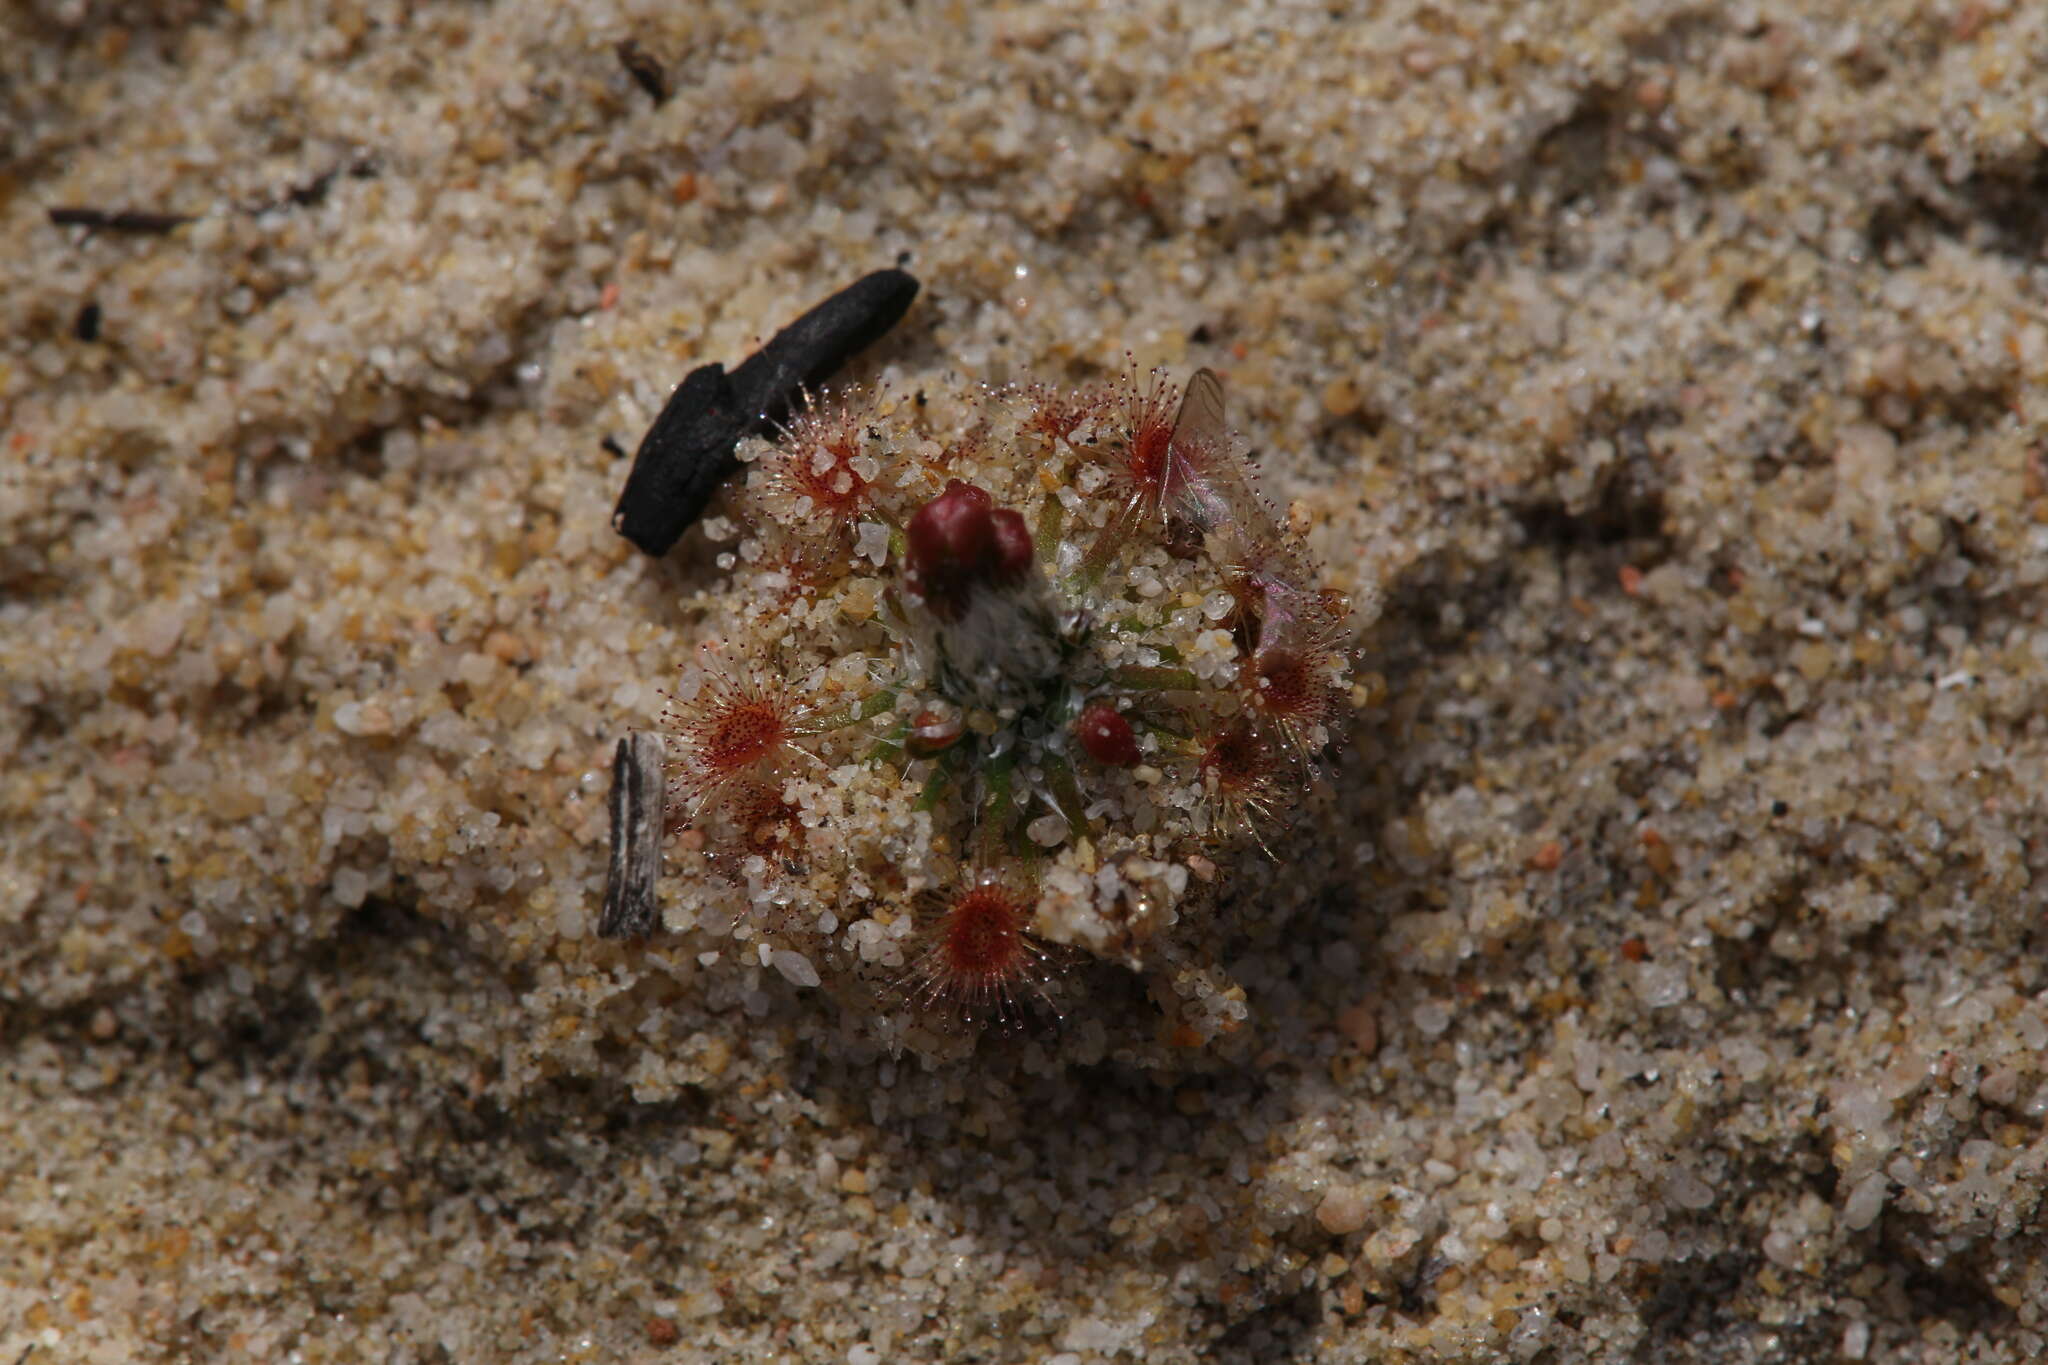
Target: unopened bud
959,541
1106,736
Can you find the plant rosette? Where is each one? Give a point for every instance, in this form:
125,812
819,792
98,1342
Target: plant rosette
972,712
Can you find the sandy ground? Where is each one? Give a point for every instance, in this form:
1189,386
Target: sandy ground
1661,979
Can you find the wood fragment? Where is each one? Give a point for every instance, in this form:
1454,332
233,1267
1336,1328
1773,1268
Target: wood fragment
638,818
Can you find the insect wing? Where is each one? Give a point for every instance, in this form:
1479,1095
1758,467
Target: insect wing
1199,476
1200,424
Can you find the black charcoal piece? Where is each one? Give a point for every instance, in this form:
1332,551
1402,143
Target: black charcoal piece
309,193
638,818
810,350
86,326
118,220
688,451
682,459
646,72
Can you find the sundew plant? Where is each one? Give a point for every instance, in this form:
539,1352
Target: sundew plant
971,712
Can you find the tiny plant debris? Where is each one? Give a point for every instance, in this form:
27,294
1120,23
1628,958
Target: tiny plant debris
966,716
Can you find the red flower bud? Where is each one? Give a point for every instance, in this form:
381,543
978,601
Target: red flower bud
1014,551
1106,736
960,540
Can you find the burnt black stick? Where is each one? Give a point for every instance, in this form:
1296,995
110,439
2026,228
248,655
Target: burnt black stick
688,451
